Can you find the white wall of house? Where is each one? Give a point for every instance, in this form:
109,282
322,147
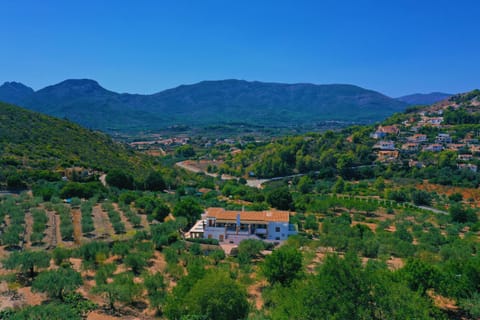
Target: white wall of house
278,230
275,231
214,233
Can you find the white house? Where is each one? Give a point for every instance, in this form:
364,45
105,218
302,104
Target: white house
434,147
418,138
235,226
384,145
443,138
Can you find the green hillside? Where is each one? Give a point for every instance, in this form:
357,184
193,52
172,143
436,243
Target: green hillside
437,143
35,145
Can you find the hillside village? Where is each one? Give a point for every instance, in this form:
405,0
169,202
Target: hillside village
429,131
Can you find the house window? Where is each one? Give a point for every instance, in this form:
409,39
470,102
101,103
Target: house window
277,229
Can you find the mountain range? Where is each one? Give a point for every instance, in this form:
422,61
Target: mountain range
87,103
424,98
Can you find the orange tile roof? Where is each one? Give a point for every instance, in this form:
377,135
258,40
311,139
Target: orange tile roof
267,216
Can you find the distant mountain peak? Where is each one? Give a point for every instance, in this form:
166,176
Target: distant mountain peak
12,85
74,88
15,92
79,84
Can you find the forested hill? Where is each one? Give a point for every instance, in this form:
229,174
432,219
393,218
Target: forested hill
31,143
208,102
438,143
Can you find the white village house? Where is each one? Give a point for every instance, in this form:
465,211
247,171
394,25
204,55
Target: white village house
235,226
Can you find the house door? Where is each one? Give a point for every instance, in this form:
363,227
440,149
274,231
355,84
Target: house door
220,237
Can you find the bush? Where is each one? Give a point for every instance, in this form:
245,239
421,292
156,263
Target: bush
203,241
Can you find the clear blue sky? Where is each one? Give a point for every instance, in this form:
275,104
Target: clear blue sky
396,47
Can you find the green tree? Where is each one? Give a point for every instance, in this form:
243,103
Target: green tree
156,290
217,297
27,261
50,311
94,253
472,305
217,256
60,255
249,249
154,207
283,266
186,151
120,179
455,197
122,289
420,275
343,289
460,214
305,184
379,184
104,272
14,181
121,248
421,198
57,283
136,261
188,208
167,232
311,222
280,198
339,186
155,181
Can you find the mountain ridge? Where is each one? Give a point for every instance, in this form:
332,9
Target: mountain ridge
86,102
424,98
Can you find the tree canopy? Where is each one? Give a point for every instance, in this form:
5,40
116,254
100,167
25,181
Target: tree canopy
57,283
189,208
27,261
283,266
216,296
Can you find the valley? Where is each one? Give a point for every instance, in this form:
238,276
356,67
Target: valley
224,106
109,223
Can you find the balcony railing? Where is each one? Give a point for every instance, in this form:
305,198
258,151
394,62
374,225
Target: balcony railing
207,228
261,231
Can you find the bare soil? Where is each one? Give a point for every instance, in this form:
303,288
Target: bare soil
159,264
145,223
467,193
255,293
58,234
18,298
51,232
27,243
77,225
103,227
128,226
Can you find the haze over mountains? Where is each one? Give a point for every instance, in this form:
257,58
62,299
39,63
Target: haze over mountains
85,102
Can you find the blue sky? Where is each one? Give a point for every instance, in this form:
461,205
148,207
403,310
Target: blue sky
395,47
